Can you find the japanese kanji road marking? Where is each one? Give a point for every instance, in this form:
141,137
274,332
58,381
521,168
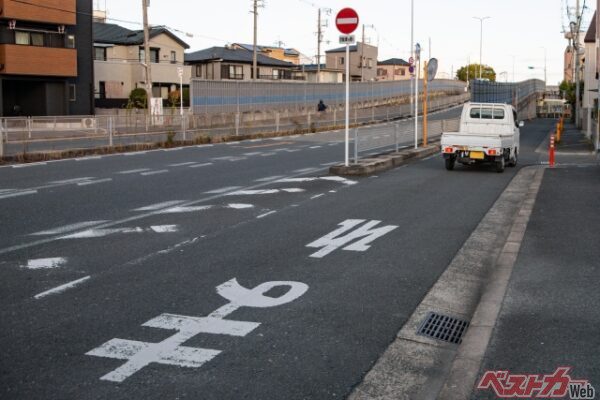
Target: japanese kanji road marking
366,233
171,352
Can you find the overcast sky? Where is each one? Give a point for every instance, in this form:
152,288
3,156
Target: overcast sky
517,27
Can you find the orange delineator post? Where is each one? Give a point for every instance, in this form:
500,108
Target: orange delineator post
552,160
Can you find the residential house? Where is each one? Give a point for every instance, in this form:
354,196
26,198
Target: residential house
228,63
363,61
278,53
312,74
119,63
590,97
394,69
46,58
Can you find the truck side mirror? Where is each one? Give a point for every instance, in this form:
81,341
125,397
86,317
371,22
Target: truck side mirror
521,124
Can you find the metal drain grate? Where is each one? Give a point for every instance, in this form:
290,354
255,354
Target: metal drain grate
442,327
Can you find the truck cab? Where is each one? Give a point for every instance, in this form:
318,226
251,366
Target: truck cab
488,133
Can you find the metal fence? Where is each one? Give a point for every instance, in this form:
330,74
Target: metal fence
213,97
508,93
392,135
46,134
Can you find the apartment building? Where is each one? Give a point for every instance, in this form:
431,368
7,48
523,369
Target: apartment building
229,63
394,69
119,60
46,57
590,96
363,61
278,53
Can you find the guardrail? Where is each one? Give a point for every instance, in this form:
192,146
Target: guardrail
46,134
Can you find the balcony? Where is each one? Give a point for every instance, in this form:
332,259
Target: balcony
39,61
60,12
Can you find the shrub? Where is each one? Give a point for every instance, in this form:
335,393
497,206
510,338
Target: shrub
138,99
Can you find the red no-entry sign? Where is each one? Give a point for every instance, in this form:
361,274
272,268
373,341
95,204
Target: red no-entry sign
347,21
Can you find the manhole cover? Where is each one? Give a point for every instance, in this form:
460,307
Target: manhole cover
442,327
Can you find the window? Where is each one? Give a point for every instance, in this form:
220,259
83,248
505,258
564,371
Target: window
198,71
341,61
370,63
403,72
173,57
22,38
381,72
232,72
142,55
37,39
154,56
100,53
487,113
72,93
71,41
101,90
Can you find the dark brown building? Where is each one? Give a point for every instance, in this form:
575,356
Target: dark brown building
46,64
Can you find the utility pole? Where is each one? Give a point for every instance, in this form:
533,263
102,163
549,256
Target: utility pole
254,49
412,45
481,19
319,38
147,52
576,75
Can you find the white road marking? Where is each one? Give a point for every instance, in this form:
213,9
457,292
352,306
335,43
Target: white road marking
265,191
201,165
62,288
45,263
29,165
333,191
268,154
266,214
160,206
201,146
182,210
232,143
68,228
303,170
239,206
89,158
333,144
170,351
315,147
366,233
256,153
182,164
18,194
72,181
137,153
430,157
223,190
100,233
94,182
329,164
163,171
317,196
165,228
133,171
293,151
338,179
269,178
173,149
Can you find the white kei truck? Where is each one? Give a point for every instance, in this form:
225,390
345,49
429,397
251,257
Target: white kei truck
489,133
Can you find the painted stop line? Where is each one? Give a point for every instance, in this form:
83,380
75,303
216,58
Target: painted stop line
366,233
171,352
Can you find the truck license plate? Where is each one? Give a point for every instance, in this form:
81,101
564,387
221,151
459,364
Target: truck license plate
477,155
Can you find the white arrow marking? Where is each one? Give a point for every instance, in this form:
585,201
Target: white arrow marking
99,233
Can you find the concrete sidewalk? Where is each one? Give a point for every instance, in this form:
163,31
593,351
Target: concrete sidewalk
551,312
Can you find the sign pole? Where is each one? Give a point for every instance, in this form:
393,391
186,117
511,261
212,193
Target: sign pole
347,61
425,80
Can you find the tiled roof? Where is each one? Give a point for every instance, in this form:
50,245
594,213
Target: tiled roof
394,61
289,52
118,35
590,36
233,55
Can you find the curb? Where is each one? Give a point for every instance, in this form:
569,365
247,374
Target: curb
384,162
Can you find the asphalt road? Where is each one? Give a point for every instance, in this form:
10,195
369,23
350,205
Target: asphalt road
109,268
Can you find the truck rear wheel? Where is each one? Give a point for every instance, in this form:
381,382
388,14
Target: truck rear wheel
500,165
513,162
450,162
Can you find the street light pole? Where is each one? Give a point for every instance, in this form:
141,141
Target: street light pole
412,43
481,19
147,53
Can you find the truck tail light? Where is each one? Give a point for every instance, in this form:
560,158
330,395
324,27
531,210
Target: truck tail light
492,152
449,150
